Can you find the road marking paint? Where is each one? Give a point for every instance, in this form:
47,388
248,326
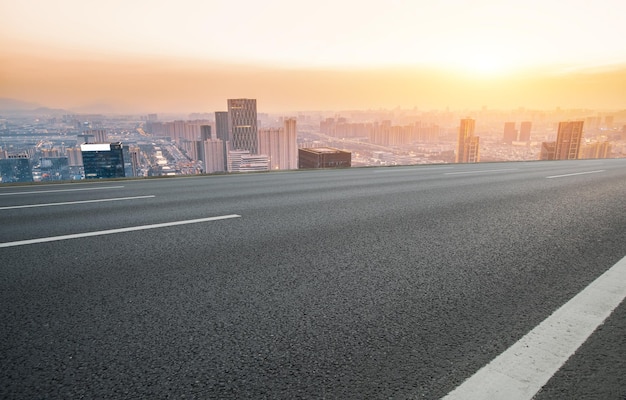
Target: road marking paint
522,370
75,202
481,171
60,190
396,169
577,173
113,231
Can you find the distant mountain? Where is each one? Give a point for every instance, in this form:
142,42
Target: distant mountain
27,108
17,105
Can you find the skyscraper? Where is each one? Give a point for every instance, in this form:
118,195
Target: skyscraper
524,131
221,125
467,149
280,145
242,125
105,160
510,133
568,140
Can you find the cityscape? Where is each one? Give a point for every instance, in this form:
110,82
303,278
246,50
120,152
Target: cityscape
49,145
382,199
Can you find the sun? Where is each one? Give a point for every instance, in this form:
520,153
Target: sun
484,64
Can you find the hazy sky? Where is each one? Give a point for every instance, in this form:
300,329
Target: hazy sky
191,55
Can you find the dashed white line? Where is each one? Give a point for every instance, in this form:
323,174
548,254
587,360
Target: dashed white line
75,202
521,371
113,231
576,173
60,190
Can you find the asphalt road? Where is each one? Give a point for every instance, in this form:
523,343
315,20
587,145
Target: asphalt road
359,283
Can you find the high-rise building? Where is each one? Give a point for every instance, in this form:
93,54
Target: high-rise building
280,145
242,125
74,156
221,125
510,133
568,140
205,132
547,151
16,169
214,156
103,160
467,149
524,131
99,135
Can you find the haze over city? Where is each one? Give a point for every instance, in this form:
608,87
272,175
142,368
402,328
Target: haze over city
189,55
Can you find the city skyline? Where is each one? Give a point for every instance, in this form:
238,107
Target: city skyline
163,58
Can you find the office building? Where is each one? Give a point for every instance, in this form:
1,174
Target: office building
467,150
221,125
524,131
324,157
242,125
98,135
214,156
243,161
103,160
16,169
510,133
568,140
548,150
280,145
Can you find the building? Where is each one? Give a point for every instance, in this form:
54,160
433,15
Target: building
510,133
568,140
280,145
221,125
243,161
16,169
524,131
547,151
103,160
324,157
595,150
242,125
214,156
98,135
467,150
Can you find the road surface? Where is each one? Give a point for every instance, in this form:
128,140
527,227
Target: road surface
358,283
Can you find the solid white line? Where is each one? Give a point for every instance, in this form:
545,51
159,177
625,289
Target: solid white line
75,202
61,190
112,231
405,169
478,172
521,371
577,173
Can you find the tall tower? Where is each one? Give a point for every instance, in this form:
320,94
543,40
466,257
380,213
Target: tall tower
467,150
280,145
524,131
242,125
221,125
568,140
510,133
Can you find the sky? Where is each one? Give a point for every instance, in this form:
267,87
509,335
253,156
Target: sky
192,55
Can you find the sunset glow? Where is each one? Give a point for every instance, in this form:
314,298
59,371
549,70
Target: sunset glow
82,52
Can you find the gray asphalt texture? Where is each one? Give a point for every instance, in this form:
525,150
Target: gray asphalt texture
340,284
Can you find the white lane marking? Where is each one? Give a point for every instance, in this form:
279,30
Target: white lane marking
75,202
60,190
521,371
481,171
112,231
576,173
395,169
